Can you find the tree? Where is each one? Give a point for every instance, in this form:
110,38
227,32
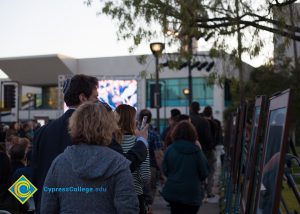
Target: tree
242,19
287,77
217,19
196,17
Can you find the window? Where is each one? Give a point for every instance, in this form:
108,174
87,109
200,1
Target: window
172,91
50,97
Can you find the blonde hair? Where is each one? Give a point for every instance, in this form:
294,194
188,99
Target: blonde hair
91,123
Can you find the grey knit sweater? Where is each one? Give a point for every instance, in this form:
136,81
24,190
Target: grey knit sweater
89,179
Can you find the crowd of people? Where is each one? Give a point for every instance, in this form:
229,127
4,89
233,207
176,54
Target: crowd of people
15,158
94,159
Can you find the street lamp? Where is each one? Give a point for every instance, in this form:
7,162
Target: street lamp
186,92
190,68
157,49
29,96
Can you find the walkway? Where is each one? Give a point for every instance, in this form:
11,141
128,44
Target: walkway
209,206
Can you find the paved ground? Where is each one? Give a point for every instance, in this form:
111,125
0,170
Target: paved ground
210,206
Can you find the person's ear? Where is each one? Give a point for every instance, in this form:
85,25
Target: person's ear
82,98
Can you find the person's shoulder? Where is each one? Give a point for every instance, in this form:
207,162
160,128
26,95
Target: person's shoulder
169,149
57,122
41,130
59,160
112,154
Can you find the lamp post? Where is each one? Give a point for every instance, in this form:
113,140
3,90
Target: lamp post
29,96
157,49
190,83
186,92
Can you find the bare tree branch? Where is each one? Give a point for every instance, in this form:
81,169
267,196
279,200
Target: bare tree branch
277,31
229,21
274,22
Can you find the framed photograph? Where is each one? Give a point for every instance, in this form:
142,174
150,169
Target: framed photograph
238,147
268,192
252,154
230,155
233,140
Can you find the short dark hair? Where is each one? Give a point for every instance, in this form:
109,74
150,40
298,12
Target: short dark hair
195,107
145,112
175,112
207,112
181,117
184,130
79,83
17,152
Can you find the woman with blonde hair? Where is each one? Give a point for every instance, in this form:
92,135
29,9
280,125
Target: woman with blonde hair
89,177
127,124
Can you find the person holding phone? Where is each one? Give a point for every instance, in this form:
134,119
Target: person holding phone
53,138
156,157
127,138
103,175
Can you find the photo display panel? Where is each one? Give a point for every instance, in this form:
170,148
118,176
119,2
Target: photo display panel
239,162
253,152
233,139
275,146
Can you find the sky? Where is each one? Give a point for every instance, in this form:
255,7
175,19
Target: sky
69,27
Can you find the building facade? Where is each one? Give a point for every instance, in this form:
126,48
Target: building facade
43,77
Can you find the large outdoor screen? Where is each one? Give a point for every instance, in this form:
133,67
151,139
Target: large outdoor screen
116,92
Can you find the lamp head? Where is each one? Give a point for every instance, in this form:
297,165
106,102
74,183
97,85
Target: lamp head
186,91
182,65
210,65
29,95
202,65
157,48
194,65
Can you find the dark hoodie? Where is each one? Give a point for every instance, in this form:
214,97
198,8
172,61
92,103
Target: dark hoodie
89,179
185,166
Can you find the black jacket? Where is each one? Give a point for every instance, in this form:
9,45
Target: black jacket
52,139
204,131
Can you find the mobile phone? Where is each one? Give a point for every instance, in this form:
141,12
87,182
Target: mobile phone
144,122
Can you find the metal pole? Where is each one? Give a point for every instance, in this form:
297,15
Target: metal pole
157,94
29,108
190,84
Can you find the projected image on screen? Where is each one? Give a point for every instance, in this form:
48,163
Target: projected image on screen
116,92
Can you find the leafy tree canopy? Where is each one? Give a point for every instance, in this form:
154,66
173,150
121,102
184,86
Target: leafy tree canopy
136,20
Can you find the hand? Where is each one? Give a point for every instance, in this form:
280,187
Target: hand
142,133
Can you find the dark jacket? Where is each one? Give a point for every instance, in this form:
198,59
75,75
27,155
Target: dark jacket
52,139
203,131
185,166
49,141
15,165
137,154
103,173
